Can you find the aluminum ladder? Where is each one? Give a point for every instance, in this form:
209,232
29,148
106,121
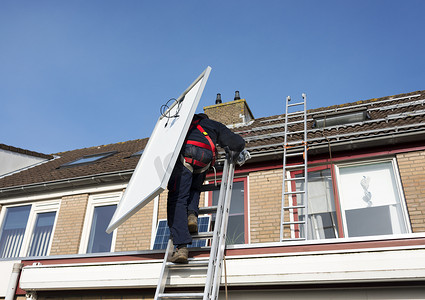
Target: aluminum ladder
214,263
294,213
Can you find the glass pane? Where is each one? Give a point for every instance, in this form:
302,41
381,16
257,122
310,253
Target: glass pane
42,234
322,222
13,230
370,197
99,240
235,230
236,225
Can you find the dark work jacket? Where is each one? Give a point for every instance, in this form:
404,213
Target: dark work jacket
218,133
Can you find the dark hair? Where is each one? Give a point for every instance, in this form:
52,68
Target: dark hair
201,116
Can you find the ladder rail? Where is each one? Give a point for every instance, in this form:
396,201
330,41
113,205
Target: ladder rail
223,233
298,148
215,242
217,249
164,270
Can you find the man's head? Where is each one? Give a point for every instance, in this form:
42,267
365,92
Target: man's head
201,116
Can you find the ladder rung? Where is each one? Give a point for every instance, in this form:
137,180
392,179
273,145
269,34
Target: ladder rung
203,235
295,113
295,104
210,187
181,296
294,122
293,222
294,207
296,144
295,132
207,210
294,154
294,166
295,178
190,264
294,192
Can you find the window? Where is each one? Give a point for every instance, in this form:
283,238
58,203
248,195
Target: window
27,229
237,228
361,199
340,118
371,200
13,230
100,210
138,153
87,159
322,219
42,234
163,233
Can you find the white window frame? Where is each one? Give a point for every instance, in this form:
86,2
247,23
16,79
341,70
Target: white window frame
93,202
36,208
398,183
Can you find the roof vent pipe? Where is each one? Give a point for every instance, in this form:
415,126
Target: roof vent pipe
218,99
237,96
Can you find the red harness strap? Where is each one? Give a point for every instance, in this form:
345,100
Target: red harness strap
209,146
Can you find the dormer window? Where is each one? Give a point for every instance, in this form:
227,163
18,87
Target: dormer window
88,159
340,118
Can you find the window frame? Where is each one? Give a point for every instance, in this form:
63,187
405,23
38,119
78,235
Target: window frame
75,162
94,201
399,188
336,180
36,208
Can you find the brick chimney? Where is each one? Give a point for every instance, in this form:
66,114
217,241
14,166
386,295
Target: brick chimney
233,113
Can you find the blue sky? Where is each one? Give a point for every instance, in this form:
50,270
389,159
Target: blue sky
82,73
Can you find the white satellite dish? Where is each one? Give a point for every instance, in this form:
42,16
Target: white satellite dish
150,178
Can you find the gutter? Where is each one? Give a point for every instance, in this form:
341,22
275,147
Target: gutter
66,183
354,144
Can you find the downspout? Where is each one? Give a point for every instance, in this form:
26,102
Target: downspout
13,282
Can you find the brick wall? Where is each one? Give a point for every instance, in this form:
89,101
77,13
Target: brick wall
135,233
265,196
412,173
66,239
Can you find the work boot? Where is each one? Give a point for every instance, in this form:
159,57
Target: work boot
180,256
192,223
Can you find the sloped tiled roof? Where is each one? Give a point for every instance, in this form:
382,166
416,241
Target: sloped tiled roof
24,151
388,115
52,170
394,115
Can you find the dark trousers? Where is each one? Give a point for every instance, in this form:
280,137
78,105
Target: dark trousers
184,190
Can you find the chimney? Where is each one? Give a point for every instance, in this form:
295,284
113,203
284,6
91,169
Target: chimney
218,99
237,96
232,113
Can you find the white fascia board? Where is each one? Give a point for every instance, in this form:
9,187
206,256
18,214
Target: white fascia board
60,194
323,268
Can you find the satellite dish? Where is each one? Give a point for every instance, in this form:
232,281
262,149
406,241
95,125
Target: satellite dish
150,178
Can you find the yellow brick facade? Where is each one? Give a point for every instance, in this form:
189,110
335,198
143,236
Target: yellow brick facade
412,173
69,226
265,196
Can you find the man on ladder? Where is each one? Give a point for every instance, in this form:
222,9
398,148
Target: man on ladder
197,155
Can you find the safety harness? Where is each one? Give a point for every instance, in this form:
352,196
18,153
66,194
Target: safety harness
189,162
